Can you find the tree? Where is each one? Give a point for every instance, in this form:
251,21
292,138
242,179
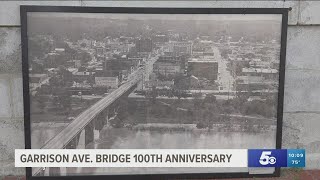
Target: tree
82,69
55,82
123,109
197,109
83,45
65,75
181,84
239,101
69,51
152,95
62,99
38,47
65,101
41,102
197,101
44,90
258,108
37,68
210,99
227,122
116,122
85,57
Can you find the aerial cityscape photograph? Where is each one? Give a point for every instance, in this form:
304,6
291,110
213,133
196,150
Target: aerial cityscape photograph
152,81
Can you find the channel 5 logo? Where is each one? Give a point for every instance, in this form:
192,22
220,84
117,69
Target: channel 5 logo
267,158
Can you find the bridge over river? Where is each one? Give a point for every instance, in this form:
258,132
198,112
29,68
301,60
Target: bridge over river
92,118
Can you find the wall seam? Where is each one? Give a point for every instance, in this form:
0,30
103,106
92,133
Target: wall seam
14,119
302,112
299,12
10,26
12,106
302,69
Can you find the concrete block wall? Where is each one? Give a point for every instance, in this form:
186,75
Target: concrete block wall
302,83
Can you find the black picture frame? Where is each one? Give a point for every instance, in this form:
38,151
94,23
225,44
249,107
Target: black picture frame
25,68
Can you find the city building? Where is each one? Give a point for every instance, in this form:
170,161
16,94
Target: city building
237,65
275,65
59,50
167,67
136,60
121,67
159,84
181,59
71,69
203,69
82,76
257,63
118,65
194,82
264,72
172,58
180,47
255,83
50,61
109,82
100,51
197,53
74,63
86,43
36,80
208,52
125,39
160,38
144,45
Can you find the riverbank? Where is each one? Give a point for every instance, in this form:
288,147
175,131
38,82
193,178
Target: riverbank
169,127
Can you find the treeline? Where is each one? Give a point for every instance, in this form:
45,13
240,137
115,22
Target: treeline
205,112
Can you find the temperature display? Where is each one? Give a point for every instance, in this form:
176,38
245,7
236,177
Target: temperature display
276,158
296,158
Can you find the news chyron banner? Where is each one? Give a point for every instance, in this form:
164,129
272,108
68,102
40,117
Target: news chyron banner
160,158
276,158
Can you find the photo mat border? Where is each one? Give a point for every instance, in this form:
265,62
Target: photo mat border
135,10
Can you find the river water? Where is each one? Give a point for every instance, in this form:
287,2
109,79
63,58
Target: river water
123,138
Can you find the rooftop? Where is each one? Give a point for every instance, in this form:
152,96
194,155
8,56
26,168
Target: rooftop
259,70
37,75
202,61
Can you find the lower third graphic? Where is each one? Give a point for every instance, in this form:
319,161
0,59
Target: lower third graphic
267,158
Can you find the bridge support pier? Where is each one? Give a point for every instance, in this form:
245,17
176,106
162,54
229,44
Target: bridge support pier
81,140
63,171
89,135
96,134
107,117
54,171
73,143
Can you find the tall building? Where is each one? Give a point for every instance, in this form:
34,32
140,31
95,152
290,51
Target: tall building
166,68
203,69
99,52
181,59
144,45
160,38
105,81
180,48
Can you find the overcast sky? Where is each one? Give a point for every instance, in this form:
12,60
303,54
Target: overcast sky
217,17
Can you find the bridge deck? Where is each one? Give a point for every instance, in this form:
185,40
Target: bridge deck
79,123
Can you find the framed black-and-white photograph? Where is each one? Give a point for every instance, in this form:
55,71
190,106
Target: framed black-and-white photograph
152,78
